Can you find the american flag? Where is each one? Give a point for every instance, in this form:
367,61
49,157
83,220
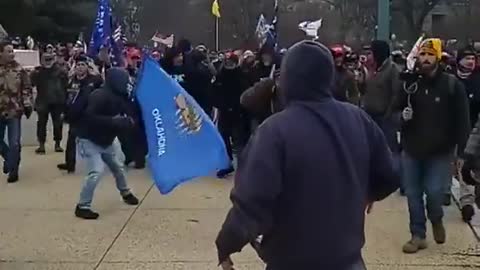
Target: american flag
118,35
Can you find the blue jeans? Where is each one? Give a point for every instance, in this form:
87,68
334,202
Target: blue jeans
95,157
11,151
425,177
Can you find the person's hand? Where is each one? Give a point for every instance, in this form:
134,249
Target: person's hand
28,111
122,122
227,264
369,208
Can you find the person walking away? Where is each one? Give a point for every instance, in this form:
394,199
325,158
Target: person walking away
15,101
470,77
51,82
232,124
79,88
346,88
282,194
435,123
106,115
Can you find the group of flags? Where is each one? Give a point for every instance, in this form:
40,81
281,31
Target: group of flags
183,142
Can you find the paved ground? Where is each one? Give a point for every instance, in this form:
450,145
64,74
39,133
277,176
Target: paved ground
38,230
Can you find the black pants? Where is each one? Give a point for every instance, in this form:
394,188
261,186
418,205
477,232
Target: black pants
234,130
71,151
360,265
55,112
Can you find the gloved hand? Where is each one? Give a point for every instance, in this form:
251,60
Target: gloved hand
122,122
28,111
407,114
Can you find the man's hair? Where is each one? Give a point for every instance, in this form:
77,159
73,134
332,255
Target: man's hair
4,44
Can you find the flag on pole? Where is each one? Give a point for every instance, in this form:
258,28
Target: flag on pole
412,56
167,41
311,28
102,29
183,143
216,9
117,44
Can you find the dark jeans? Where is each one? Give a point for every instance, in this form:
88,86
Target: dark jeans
235,132
55,112
11,151
71,151
425,177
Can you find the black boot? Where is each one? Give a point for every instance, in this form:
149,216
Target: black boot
58,148
41,149
130,199
6,170
65,167
85,213
12,178
467,213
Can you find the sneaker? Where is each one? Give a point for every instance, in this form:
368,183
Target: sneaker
130,199
224,173
467,213
65,167
447,200
85,213
414,245
439,233
41,150
12,178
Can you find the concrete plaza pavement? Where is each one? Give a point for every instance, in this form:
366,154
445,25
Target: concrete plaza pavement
38,230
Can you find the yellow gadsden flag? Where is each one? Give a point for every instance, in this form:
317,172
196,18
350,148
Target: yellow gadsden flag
216,9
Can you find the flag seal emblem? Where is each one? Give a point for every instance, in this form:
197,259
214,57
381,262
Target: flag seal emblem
189,120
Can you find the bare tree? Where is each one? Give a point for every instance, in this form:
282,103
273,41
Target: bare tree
414,13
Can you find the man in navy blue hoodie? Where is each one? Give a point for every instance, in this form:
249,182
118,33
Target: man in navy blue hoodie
302,163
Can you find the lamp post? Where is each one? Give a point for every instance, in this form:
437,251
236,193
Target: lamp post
383,20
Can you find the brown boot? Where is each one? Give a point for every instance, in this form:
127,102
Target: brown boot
414,245
439,233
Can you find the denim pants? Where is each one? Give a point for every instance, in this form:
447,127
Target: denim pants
425,177
95,157
11,151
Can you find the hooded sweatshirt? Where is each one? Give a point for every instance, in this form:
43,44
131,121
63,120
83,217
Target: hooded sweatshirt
108,111
302,163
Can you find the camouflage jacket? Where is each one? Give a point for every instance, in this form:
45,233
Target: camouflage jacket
15,90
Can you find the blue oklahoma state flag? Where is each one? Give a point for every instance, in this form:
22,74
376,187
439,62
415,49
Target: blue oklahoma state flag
183,143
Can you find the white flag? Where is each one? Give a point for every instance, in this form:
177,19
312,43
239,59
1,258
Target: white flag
168,41
412,56
311,28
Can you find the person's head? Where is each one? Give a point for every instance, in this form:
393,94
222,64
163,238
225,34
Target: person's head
48,60
231,61
338,54
380,52
156,55
185,46
81,65
61,55
351,61
248,57
429,55
307,72
7,54
178,59
117,80
50,49
467,59
267,55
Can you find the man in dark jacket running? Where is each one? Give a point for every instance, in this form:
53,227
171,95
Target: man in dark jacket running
106,115
300,164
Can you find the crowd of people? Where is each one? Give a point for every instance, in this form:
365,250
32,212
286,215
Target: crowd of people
285,115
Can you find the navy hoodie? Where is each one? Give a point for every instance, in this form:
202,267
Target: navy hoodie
306,176
100,122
